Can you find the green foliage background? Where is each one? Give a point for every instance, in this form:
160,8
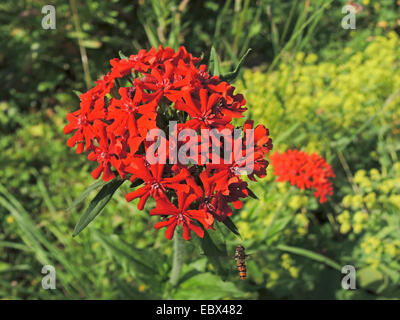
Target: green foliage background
316,86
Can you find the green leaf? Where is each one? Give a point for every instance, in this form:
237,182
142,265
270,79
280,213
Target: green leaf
285,134
252,194
369,278
214,248
78,93
137,182
231,226
276,228
311,255
37,242
231,76
213,64
85,193
151,32
122,56
207,286
143,262
97,204
6,267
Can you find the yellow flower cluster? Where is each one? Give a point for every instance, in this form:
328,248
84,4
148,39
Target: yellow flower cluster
326,101
302,223
287,263
273,277
376,192
298,201
375,248
246,230
357,222
319,107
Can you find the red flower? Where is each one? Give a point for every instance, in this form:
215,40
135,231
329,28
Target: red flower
182,216
247,157
213,201
167,82
107,154
147,91
92,108
202,111
230,105
304,171
155,184
262,146
79,121
129,114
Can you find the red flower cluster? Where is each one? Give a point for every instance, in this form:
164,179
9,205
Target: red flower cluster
146,91
304,171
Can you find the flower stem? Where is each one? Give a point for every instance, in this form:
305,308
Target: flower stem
177,262
82,49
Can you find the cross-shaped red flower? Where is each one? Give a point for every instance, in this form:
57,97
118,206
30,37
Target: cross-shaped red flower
182,216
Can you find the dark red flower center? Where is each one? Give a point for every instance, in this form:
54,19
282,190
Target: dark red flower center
164,84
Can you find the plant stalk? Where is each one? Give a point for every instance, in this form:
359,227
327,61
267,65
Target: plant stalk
82,49
177,262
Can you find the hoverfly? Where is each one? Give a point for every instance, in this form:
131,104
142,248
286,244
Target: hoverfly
240,257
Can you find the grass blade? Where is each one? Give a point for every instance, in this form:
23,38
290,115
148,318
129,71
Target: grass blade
214,63
311,255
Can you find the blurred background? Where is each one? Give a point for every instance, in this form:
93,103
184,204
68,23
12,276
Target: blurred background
316,86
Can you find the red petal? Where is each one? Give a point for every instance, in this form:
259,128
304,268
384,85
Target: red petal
137,193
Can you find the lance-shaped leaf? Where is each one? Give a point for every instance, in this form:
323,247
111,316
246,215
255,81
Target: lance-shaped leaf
137,182
122,56
214,247
97,204
213,63
207,286
231,226
145,263
78,93
86,193
252,194
231,76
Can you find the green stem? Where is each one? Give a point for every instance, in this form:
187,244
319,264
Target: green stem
82,49
177,262
277,212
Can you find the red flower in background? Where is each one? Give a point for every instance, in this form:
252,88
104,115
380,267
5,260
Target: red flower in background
147,91
305,171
